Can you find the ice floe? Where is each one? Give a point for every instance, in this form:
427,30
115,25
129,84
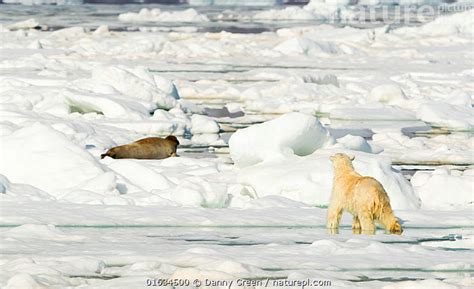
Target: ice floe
291,134
69,94
444,189
309,179
62,163
448,116
156,15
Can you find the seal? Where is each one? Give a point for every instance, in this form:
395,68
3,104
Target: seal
147,148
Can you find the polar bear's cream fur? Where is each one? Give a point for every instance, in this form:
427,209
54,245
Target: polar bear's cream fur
363,197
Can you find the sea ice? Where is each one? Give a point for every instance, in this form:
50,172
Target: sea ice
139,83
42,232
458,23
447,116
156,15
388,93
48,160
438,149
26,24
309,179
202,124
291,134
68,95
444,189
358,143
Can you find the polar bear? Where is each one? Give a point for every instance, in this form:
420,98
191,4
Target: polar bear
363,197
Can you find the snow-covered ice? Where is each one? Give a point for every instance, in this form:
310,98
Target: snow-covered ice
436,188
299,178
156,15
257,116
291,134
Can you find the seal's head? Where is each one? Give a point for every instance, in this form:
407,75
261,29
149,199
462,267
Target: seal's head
109,153
173,139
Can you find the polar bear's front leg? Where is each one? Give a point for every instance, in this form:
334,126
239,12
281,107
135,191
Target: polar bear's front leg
334,216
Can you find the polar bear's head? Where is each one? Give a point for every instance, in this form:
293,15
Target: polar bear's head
341,159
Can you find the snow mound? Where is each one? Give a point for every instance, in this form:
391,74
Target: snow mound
309,179
444,189
454,24
138,83
24,281
21,191
195,192
387,93
203,124
47,160
458,23
446,115
139,174
448,149
43,232
26,24
102,30
301,45
180,181
357,143
288,135
111,106
70,33
156,15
